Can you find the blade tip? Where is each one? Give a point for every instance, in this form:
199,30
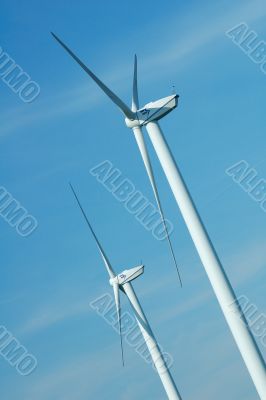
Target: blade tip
56,37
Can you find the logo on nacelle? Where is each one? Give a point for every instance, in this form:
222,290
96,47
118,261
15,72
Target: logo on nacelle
144,111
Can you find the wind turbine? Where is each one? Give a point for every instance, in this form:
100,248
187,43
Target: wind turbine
130,116
122,282
148,116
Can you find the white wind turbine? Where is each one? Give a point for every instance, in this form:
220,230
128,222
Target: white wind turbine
122,282
130,116
148,116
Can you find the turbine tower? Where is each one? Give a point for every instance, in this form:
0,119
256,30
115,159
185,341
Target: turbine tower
122,282
148,116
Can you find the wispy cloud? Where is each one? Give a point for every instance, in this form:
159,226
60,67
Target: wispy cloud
189,305
70,101
8,300
88,376
81,99
247,262
203,33
241,266
47,316
204,340
75,379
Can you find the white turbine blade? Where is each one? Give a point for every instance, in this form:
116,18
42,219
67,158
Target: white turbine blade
135,96
146,159
123,107
105,259
118,310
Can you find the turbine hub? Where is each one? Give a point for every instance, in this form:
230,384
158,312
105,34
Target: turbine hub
132,123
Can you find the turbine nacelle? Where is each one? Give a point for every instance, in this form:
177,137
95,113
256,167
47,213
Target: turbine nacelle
154,110
127,276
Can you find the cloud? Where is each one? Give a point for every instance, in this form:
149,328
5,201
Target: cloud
204,33
189,305
9,300
91,376
81,99
62,308
49,315
78,379
59,105
247,262
244,264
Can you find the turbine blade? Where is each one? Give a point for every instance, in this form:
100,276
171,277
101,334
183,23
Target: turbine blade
118,310
146,159
123,107
135,96
105,259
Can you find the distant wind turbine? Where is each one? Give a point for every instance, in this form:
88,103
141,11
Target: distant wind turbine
122,282
148,116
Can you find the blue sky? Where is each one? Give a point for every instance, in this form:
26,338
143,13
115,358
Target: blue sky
49,278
